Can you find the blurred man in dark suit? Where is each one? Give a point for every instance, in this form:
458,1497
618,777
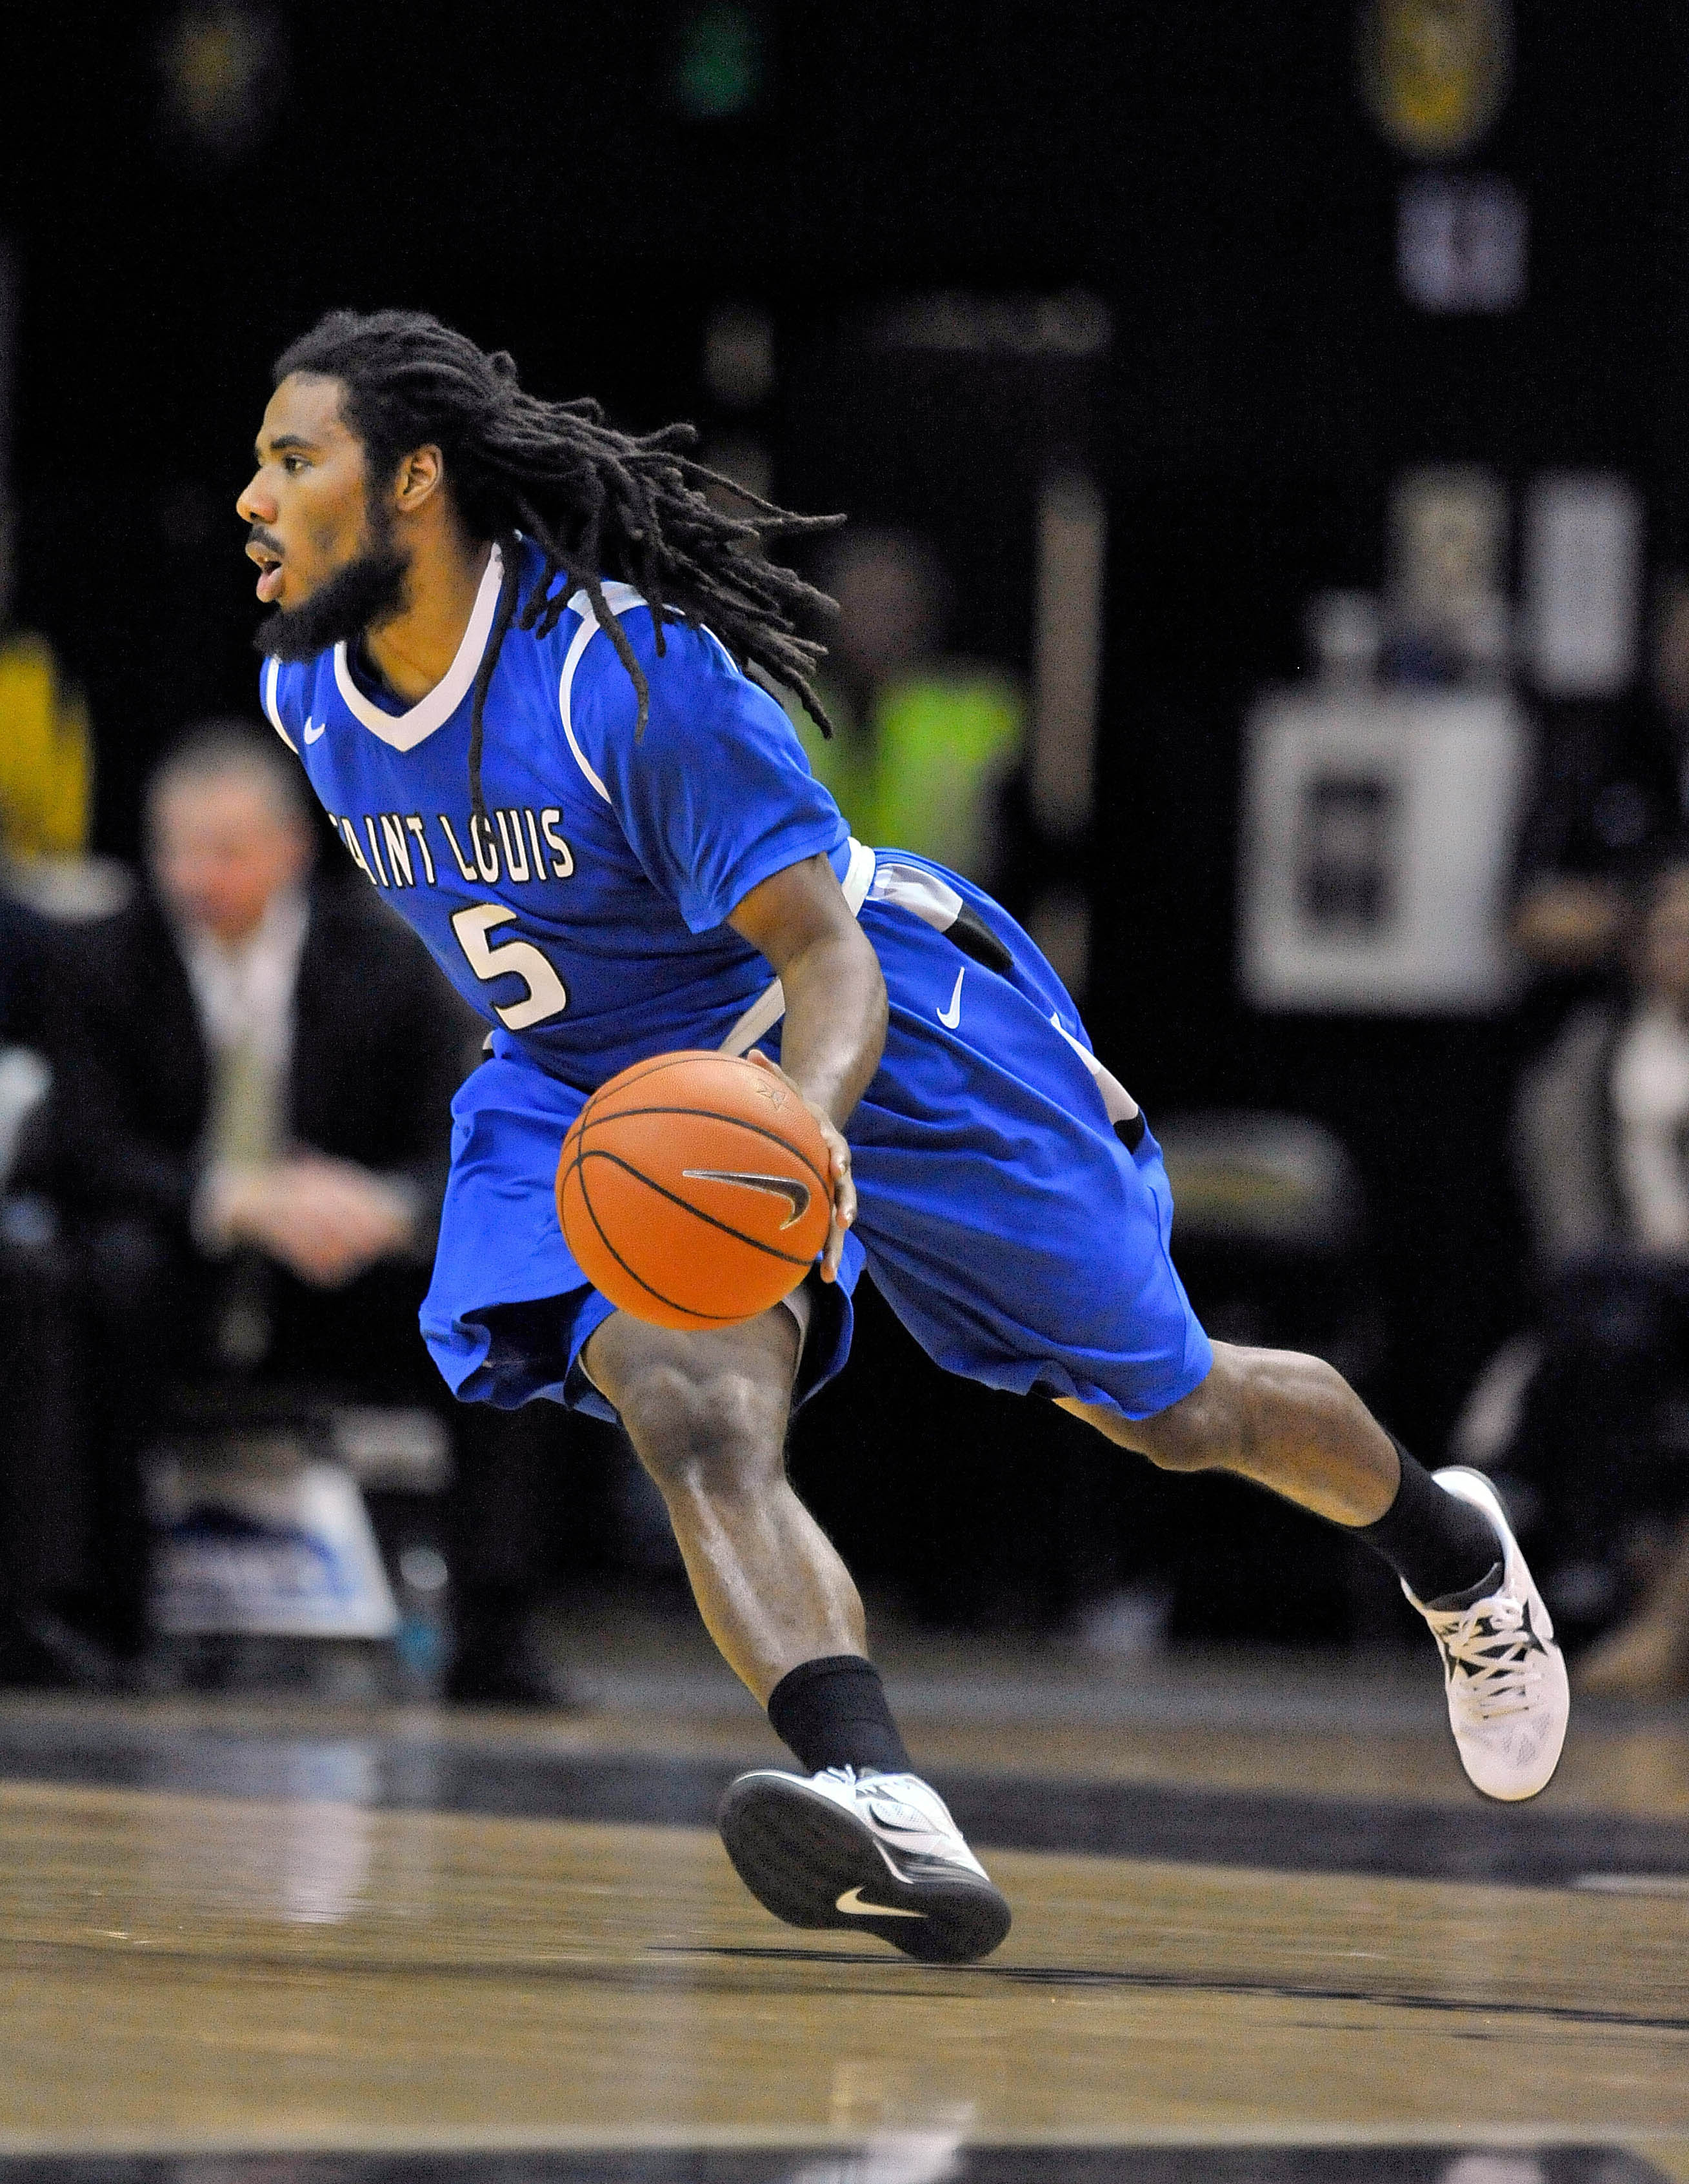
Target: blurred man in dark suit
38,1496
257,1067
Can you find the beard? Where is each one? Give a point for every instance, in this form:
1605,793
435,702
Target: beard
367,592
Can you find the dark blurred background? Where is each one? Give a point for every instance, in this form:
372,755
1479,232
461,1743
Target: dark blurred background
912,263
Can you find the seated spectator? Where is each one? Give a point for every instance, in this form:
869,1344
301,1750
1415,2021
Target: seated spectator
1612,789
257,1067
37,1337
25,981
1603,1139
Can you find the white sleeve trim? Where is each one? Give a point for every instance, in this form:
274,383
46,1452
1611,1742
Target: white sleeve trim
272,676
619,599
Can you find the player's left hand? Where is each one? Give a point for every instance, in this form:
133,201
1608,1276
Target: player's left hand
839,1155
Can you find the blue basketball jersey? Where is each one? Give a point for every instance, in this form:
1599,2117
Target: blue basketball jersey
585,919
1014,1233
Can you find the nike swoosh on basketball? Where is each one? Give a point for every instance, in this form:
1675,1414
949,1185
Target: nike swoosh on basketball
851,1902
797,1195
951,1017
316,729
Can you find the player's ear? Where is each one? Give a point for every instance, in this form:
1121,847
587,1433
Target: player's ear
421,475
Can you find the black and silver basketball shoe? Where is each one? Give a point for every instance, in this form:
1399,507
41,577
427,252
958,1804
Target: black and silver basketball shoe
1508,1699
878,1853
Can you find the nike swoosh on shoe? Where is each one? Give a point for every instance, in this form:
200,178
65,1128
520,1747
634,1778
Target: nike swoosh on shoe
851,1901
809,1853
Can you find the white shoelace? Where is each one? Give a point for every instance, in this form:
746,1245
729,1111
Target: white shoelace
1501,1659
868,1782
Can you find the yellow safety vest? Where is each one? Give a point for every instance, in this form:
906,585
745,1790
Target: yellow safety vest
46,756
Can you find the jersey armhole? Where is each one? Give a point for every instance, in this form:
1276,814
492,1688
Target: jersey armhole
565,683
620,599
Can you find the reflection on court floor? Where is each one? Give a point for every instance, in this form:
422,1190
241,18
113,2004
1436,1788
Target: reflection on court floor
241,1944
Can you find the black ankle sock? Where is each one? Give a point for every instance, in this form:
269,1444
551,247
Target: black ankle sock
833,1713
1437,1543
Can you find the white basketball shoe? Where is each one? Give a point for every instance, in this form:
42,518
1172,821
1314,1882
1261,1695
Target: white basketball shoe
878,1853
1504,1676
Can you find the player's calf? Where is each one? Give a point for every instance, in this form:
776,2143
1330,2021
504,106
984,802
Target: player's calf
707,1414
1293,1424
1290,1422
859,1841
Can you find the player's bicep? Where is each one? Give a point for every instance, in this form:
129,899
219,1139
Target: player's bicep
793,910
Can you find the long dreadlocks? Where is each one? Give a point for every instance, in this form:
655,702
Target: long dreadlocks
596,501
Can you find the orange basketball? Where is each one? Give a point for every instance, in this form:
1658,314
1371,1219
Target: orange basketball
693,1189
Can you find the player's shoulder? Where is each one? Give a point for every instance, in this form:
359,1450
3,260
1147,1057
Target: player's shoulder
692,682
688,656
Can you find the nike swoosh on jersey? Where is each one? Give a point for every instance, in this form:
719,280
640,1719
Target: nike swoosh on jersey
797,1195
851,1903
951,1017
314,732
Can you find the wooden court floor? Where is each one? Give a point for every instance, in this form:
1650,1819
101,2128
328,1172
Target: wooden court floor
185,1973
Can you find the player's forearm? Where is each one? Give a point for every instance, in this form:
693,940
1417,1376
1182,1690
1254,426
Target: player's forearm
834,1030
835,996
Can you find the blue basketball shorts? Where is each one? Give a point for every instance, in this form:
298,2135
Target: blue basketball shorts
1012,1206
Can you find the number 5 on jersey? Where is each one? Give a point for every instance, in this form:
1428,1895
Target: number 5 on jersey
546,996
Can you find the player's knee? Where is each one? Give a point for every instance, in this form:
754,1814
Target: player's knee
1204,1430
722,1427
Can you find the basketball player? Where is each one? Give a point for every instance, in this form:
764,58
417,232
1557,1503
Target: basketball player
521,657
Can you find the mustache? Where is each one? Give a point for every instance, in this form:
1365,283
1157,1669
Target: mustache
258,536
